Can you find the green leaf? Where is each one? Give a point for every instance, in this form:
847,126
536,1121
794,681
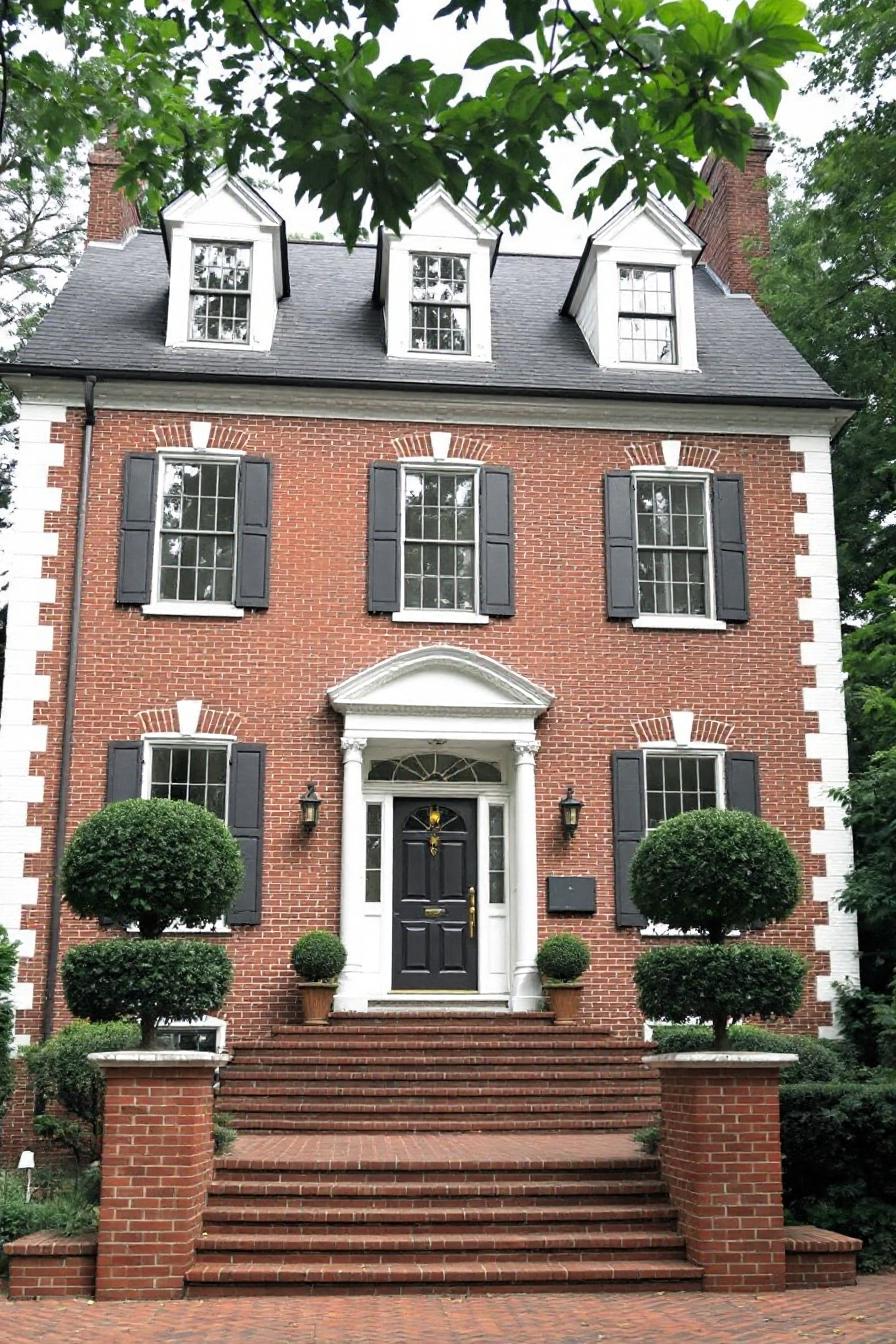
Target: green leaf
497,49
613,183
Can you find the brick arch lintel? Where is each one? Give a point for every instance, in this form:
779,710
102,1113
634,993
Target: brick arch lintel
692,455
658,728
466,446
220,436
164,719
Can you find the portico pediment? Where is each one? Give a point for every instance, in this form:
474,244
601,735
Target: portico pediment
440,679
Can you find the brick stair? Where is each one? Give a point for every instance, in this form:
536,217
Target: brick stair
438,1151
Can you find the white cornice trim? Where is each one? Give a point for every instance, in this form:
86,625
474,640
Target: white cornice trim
434,406
519,694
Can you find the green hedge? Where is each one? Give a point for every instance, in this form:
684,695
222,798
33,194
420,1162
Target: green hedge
818,1062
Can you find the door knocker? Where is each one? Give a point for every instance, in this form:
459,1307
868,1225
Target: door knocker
435,828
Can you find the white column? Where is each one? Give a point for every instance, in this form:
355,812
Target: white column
526,989
351,995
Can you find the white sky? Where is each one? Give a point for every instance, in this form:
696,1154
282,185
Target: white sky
802,115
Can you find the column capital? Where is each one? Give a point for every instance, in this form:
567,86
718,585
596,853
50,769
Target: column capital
353,748
525,752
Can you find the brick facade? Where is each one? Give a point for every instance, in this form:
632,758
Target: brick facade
734,223
110,215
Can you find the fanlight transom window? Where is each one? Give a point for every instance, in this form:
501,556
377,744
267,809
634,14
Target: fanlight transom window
436,765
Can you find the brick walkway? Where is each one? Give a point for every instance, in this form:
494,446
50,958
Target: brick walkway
862,1315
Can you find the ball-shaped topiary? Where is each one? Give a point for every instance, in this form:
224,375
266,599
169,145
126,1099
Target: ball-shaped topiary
151,861
318,957
151,979
563,957
714,872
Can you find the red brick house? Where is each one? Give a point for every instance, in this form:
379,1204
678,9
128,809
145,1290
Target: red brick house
445,529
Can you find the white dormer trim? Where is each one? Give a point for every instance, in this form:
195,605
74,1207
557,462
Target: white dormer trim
229,210
637,235
442,226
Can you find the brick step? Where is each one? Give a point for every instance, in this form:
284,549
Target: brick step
240,1087
398,1019
455,1214
474,1191
436,1168
522,1243
504,1028
324,1121
244,1275
464,1062
495,1043
447,1107
435,1076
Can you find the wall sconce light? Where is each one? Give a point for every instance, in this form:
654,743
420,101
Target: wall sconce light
570,807
310,805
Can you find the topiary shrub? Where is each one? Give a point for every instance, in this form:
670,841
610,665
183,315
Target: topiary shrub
149,979
149,862
319,957
711,873
8,960
65,1079
818,1061
563,957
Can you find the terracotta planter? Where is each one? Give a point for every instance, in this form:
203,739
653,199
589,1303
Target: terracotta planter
564,1001
317,1002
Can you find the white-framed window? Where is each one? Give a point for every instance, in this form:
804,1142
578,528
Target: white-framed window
190,772
681,781
373,860
440,549
647,321
197,530
220,292
673,539
440,303
497,854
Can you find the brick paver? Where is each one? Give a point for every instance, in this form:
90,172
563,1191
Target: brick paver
865,1314
435,1149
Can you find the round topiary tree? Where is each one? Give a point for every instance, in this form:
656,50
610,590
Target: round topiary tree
319,957
563,957
712,873
147,864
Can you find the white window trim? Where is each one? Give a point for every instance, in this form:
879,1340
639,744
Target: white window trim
477,255
461,255
216,1024
151,740
672,272
423,615
671,749
672,621
193,341
158,606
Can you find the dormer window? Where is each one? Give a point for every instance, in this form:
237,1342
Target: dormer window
440,303
220,293
647,315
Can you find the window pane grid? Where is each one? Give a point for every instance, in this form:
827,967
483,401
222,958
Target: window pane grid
219,293
677,784
439,546
192,775
496,858
440,310
374,845
672,548
198,532
646,316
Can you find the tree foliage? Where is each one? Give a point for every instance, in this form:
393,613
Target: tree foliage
8,962
301,87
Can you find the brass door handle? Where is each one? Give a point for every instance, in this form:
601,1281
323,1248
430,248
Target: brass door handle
471,913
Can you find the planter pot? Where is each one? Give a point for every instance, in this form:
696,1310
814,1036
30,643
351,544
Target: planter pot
564,1001
317,1002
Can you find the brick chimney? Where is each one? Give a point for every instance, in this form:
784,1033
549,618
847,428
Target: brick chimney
734,224
110,215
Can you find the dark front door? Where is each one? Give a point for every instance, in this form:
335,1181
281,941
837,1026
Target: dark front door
434,933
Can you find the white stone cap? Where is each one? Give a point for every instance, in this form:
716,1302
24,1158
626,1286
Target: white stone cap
128,1059
721,1059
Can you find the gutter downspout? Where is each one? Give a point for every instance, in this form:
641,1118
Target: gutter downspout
68,720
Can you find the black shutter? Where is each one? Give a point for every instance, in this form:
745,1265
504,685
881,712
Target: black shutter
253,563
383,537
124,766
730,548
246,820
629,825
138,525
742,781
621,543
496,542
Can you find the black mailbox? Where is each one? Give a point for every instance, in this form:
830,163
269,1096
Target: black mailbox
571,895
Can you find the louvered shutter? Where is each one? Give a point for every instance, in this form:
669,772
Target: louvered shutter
621,545
384,537
732,601
124,769
496,542
253,562
246,822
138,525
629,826
742,781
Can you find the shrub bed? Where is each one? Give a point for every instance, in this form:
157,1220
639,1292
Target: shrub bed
60,1202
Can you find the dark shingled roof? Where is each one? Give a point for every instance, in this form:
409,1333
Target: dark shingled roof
110,319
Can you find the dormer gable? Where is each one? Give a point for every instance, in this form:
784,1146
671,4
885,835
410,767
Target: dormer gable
633,291
227,263
434,282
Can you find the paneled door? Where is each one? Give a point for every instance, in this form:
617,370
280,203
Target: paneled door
435,901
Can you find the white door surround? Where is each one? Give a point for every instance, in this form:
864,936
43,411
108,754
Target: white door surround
446,698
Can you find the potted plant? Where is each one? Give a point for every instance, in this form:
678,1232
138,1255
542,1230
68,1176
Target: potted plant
318,958
144,865
711,874
562,960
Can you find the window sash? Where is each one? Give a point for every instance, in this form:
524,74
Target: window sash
655,312
707,790
227,305
456,559
206,543
439,315
373,854
676,567
497,854
192,759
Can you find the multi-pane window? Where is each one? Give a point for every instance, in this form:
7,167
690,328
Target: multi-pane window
646,315
198,531
683,783
373,864
440,303
673,547
191,774
439,541
219,293
497,862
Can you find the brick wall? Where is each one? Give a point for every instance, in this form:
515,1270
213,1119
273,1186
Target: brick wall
110,215
734,224
47,1264
270,670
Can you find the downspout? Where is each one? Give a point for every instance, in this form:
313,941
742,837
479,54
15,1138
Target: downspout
68,719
